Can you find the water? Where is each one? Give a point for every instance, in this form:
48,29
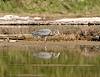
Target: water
50,61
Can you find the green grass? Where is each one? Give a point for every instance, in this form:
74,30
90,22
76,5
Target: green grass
20,61
76,7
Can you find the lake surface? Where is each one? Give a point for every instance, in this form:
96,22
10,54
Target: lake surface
50,60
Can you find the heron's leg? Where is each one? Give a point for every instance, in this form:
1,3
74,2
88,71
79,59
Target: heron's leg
45,39
45,47
38,38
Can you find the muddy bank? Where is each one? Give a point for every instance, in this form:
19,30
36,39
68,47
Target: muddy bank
66,33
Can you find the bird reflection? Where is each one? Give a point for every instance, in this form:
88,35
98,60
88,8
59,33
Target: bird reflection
46,55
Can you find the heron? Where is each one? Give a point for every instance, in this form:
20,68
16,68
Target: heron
44,33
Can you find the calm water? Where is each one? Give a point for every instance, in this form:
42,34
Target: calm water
57,61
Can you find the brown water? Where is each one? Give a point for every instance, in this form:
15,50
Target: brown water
49,60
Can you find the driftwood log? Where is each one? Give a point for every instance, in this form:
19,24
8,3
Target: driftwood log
64,21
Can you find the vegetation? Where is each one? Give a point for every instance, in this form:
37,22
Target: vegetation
18,60
76,7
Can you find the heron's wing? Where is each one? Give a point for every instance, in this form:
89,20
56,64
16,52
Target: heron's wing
44,32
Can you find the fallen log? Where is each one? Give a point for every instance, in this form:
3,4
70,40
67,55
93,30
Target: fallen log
65,21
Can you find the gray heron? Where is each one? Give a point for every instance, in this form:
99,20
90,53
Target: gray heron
45,32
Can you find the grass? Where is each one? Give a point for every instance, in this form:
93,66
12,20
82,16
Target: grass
63,7
15,62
